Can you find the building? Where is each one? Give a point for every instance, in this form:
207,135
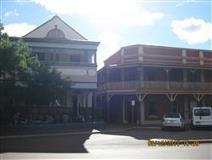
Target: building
139,83
61,47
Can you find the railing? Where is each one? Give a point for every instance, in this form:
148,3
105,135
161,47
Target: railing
63,63
159,87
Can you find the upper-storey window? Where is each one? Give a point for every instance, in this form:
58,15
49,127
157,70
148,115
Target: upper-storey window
131,74
57,57
56,33
154,74
208,75
89,57
176,75
194,75
41,56
75,58
115,75
52,56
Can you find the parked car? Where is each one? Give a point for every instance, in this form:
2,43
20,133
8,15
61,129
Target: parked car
173,120
201,117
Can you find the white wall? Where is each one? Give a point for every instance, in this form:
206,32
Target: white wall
78,73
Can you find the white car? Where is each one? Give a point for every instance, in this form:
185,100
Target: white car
201,117
173,120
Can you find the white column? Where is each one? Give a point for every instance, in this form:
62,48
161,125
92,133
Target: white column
122,55
201,57
140,54
184,61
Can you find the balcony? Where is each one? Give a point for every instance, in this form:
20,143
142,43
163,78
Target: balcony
158,87
64,63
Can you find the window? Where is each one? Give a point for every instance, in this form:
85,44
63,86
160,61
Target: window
176,75
75,58
57,58
41,56
56,33
52,57
150,74
172,115
115,75
194,75
202,112
131,74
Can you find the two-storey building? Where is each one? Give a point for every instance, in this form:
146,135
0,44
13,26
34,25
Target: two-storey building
139,83
61,47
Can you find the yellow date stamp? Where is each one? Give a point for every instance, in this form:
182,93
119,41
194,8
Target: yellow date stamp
170,142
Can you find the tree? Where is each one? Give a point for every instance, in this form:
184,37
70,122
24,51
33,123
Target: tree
45,85
1,28
21,72
15,59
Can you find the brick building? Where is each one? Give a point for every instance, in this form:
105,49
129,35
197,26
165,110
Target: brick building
139,83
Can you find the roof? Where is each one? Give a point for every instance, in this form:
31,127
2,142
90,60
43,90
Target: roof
55,23
167,47
64,41
160,56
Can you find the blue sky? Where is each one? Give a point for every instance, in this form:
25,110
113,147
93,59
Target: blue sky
117,23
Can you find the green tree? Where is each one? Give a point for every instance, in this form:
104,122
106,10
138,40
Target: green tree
15,59
1,28
21,72
45,85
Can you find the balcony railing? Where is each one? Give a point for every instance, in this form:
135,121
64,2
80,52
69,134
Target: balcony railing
159,87
63,63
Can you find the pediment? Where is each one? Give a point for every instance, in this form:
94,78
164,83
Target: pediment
55,28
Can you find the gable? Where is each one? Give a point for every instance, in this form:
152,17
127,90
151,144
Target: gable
55,28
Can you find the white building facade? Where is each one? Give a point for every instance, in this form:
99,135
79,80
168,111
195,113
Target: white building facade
61,47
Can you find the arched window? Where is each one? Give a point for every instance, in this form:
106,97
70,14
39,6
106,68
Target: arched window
56,33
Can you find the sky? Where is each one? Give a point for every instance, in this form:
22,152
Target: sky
118,23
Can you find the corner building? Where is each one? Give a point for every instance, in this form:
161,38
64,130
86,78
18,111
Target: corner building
139,83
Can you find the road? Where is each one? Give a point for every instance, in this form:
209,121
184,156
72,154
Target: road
127,144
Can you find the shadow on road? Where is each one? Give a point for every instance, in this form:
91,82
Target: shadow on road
46,144
48,138
74,143
151,133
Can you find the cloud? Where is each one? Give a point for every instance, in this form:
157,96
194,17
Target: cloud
192,30
110,43
111,17
186,2
11,13
108,13
18,29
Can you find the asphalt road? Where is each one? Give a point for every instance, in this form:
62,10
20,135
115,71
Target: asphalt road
127,144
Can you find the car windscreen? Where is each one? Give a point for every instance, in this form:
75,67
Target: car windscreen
171,115
202,112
